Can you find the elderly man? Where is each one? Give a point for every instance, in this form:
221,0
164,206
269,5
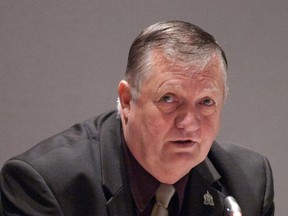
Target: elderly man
157,154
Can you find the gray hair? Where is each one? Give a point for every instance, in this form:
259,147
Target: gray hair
180,42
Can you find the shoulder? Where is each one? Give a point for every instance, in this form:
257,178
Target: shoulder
69,142
75,148
238,162
245,173
230,154
60,171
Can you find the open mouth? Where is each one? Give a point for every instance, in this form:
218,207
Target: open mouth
183,142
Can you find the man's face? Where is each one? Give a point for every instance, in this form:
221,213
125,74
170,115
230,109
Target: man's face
171,125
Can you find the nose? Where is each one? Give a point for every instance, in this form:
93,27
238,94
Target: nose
188,121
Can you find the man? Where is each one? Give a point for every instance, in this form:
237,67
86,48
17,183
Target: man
161,137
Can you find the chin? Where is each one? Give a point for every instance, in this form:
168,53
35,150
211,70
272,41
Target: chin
169,179
185,161
175,173
172,175
176,167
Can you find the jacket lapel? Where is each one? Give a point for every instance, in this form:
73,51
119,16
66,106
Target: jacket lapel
204,196
114,175
121,203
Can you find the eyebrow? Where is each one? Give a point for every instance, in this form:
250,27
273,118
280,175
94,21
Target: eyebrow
212,90
168,86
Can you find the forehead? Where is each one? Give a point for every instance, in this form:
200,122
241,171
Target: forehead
166,71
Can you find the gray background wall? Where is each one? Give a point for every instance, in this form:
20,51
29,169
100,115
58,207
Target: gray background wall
61,61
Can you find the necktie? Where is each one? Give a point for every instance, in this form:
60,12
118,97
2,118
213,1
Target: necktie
163,196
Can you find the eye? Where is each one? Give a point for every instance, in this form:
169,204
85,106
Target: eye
208,102
168,98
168,103
207,106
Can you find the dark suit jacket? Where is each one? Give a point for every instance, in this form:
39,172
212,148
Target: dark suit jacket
81,171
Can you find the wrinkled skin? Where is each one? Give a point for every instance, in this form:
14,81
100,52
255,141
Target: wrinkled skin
170,126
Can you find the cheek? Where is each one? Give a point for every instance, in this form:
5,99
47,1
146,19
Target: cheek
144,125
150,124
152,119
210,125
153,128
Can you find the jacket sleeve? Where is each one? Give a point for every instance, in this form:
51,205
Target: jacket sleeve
25,192
268,203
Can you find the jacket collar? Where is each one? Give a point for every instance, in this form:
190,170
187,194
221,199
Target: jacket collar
114,174
207,170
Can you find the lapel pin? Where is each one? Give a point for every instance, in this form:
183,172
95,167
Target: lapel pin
208,199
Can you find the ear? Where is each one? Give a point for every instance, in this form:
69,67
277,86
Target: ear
125,98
